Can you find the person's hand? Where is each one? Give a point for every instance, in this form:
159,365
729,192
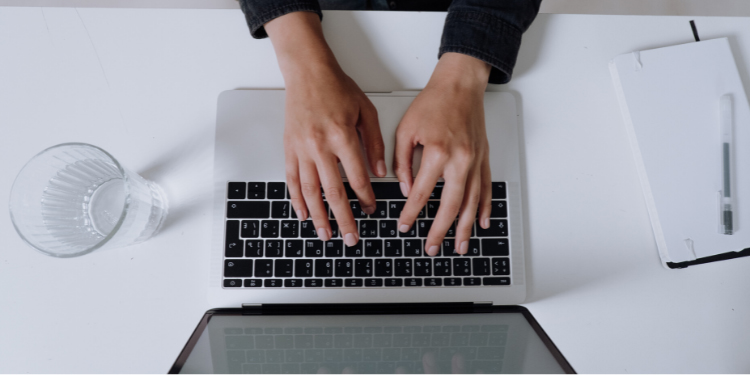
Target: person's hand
325,114
447,118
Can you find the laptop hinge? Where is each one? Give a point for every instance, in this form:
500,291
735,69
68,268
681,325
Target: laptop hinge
367,308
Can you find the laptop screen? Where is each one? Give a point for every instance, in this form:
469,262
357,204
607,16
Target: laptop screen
419,343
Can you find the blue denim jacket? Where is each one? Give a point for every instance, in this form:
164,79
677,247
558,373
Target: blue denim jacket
489,30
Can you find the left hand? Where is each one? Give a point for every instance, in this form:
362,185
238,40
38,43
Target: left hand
447,119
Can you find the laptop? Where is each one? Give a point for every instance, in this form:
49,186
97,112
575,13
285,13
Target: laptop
290,303
261,253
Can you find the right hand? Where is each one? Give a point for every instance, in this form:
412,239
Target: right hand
326,112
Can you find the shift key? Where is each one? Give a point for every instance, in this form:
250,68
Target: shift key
248,209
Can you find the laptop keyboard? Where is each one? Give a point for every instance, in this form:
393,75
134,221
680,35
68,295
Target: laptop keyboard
384,350
266,246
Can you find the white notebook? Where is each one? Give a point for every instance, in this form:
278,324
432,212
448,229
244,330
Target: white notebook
669,99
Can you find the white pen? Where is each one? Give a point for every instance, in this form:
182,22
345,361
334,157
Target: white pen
725,119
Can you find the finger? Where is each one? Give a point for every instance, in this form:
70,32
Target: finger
372,138
310,186
356,173
429,363
450,203
337,200
468,210
458,364
485,198
427,177
402,161
292,183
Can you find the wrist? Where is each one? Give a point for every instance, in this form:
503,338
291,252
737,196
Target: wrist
461,72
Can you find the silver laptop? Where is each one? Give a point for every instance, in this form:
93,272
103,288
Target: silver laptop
261,253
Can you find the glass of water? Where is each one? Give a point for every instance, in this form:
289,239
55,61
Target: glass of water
74,198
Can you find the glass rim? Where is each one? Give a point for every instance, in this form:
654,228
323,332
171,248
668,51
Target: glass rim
106,238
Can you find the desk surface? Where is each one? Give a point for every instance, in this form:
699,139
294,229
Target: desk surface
143,85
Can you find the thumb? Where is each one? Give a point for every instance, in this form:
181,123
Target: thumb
369,128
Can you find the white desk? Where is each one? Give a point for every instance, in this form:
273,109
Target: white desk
143,85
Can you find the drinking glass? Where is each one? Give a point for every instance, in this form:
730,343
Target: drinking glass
74,198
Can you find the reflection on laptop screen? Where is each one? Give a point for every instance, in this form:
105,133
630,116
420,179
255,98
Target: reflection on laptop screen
465,343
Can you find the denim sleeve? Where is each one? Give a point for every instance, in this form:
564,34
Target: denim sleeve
489,30
258,12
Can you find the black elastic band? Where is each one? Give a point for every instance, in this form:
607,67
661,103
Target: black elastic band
695,31
713,258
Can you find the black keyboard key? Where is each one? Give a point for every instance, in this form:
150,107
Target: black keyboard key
394,209
387,190
232,283
248,209
462,267
250,229
451,231
276,190
357,210
373,248
280,209
437,191
373,282
313,283
481,266
283,268
307,229
323,267
236,190
269,228
289,228
388,228
432,208
412,248
394,282
263,268
253,283
473,250
293,283
413,282
272,283
344,267
449,249
350,194
254,248
500,266
353,251
294,213
274,249
353,282
424,227
381,210
256,190
403,267
439,249
498,190
303,268
313,248
363,267
411,233
334,283
498,228
384,267
334,248
423,267
294,249
452,281
472,281
238,268
334,228
499,209
368,228
431,281
442,267
495,247
232,243
392,248
496,280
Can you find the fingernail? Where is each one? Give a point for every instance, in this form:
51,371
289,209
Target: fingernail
464,247
403,228
381,168
432,251
369,209
350,240
323,234
485,223
404,189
